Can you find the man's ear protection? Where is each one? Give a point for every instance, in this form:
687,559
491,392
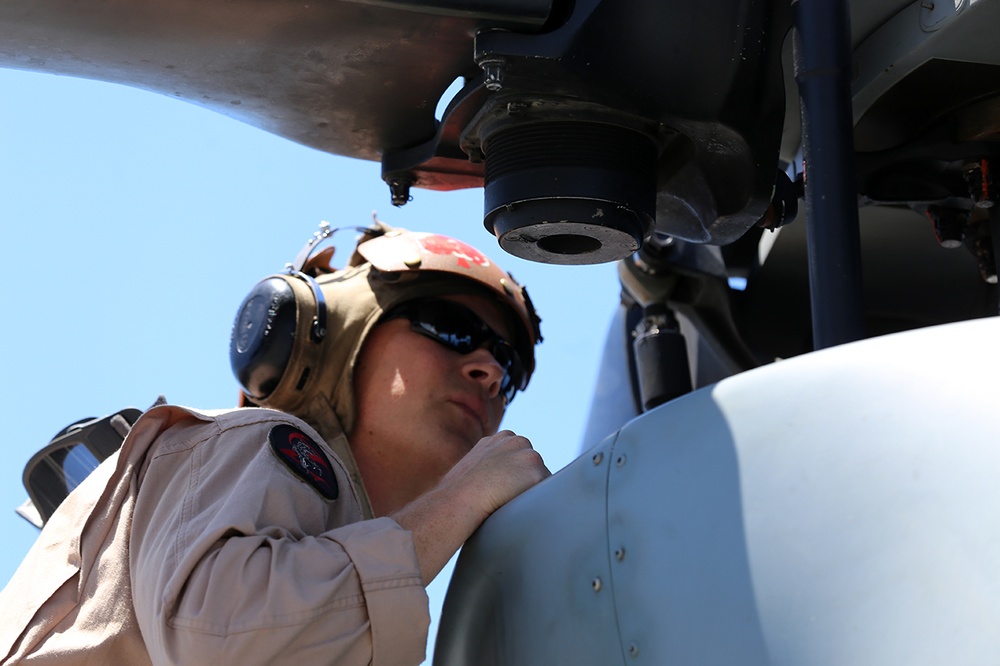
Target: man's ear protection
281,319
264,333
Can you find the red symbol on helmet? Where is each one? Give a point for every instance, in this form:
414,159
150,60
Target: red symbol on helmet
464,253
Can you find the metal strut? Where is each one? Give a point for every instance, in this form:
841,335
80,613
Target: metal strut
822,71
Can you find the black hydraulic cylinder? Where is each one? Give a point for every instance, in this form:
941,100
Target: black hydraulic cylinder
661,358
995,245
822,71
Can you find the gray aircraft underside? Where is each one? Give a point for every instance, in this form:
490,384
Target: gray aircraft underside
780,467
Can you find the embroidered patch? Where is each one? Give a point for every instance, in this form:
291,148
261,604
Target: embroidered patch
304,457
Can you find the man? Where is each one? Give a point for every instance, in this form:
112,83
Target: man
303,533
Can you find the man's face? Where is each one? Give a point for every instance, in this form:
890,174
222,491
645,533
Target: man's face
421,406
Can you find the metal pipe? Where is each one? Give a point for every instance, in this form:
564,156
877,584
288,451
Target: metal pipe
822,71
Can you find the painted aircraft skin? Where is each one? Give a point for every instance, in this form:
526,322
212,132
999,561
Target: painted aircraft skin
743,535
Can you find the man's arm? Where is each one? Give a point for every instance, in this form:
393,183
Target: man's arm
236,559
496,470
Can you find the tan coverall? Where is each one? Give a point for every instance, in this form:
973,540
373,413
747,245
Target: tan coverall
198,544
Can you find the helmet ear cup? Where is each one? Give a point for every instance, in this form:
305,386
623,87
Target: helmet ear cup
263,337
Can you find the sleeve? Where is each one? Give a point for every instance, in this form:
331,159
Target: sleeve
234,559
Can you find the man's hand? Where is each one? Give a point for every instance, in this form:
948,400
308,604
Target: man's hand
499,468
495,471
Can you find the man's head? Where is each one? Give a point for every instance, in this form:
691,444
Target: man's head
428,386
394,280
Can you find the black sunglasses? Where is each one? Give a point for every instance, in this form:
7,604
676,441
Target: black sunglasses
460,329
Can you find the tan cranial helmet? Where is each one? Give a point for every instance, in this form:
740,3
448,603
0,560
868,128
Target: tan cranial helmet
297,335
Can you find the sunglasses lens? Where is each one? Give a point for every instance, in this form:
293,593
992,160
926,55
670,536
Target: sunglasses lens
462,330
513,375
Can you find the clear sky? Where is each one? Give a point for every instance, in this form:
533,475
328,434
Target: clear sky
134,224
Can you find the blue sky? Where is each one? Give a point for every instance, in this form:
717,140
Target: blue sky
134,224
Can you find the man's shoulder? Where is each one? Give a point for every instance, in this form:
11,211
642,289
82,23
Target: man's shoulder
267,444
241,417
176,427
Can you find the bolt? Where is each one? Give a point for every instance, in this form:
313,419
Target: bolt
981,184
620,553
598,457
493,69
515,108
596,584
476,155
949,226
982,249
399,190
620,461
633,650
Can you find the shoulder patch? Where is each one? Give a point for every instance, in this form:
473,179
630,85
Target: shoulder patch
305,458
